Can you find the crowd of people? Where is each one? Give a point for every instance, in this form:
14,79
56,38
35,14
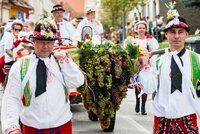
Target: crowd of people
34,72
154,28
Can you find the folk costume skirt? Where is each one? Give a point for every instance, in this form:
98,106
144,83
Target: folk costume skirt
64,129
183,125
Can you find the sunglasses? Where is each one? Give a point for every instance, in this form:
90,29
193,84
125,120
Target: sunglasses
15,29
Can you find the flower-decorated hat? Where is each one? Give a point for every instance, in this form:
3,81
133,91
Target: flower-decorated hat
174,20
57,7
44,30
140,22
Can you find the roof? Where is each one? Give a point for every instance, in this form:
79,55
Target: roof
22,4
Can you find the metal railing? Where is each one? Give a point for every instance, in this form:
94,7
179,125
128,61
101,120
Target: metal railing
193,43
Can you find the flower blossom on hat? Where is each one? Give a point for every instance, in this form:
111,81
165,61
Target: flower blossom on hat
172,13
175,21
44,30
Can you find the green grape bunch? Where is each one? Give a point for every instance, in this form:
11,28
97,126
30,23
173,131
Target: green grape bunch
108,68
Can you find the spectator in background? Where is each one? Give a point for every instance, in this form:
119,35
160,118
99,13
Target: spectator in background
158,30
144,19
6,32
136,20
65,30
17,27
28,28
10,41
90,26
128,29
114,35
159,21
120,33
149,26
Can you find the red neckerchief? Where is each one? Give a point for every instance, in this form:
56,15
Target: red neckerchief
58,33
149,36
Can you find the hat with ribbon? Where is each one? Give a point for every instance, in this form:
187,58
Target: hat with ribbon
90,11
57,7
44,30
174,20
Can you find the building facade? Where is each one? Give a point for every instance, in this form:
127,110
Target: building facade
151,9
24,9
14,8
41,7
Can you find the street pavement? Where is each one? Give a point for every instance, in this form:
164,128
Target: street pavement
127,121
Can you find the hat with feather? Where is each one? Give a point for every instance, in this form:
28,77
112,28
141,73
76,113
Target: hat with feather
174,20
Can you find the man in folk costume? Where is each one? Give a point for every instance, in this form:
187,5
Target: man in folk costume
65,30
90,28
36,91
175,76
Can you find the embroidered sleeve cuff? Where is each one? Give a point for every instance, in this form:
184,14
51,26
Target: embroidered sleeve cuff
12,128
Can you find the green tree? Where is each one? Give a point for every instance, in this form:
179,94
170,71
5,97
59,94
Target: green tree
114,9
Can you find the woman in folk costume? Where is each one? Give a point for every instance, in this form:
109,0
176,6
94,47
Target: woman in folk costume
175,76
36,91
147,43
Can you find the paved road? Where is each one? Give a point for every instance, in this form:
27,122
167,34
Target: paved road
127,121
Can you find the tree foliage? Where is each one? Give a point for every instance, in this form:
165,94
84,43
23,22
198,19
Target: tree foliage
114,9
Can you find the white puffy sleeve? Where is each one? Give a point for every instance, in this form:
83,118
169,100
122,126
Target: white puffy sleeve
148,78
72,32
153,44
11,102
72,75
8,42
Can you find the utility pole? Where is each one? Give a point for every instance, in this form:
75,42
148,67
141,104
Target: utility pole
156,29
124,21
124,25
